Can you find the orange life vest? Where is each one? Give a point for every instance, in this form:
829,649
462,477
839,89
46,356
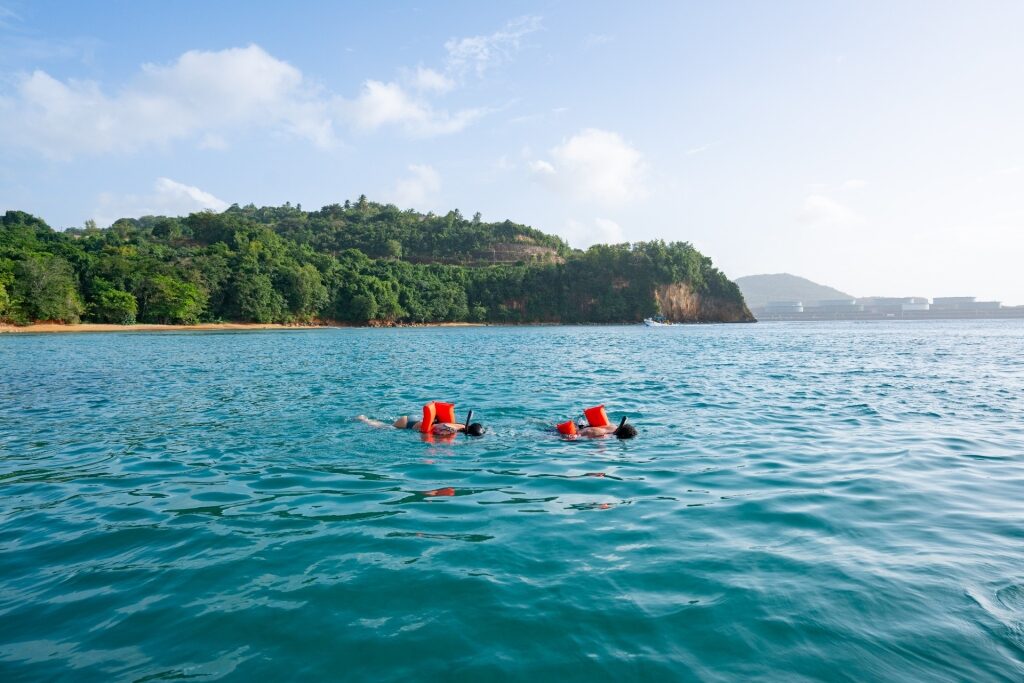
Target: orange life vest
567,428
596,417
436,411
429,413
445,411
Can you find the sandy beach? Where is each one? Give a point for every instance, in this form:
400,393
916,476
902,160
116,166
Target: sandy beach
98,327
38,328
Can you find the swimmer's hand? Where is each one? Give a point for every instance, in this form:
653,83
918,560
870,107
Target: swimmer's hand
443,429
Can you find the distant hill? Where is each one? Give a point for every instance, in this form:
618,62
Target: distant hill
358,263
758,290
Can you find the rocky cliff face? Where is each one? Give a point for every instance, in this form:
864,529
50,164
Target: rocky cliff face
680,304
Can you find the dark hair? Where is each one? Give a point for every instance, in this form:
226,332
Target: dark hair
626,431
475,429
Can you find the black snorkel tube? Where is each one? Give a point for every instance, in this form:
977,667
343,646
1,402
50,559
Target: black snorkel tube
622,425
480,431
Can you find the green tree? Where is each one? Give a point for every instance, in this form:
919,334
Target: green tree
169,300
44,288
5,301
304,291
362,308
257,300
115,306
282,263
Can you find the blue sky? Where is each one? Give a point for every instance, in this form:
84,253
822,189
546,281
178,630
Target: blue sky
874,146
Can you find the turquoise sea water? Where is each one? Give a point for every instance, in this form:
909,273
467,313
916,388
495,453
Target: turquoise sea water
805,501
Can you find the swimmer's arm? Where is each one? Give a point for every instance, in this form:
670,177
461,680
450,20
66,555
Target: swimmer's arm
447,428
597,431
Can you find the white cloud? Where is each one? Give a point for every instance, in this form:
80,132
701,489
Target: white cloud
209,96
817,209
168,198
429,80
542,167
855,184
607,231
7,16
479,53
417,190
382,104
700,149
539,116
200,94
596,39
504,164
600,231
595,165
213,141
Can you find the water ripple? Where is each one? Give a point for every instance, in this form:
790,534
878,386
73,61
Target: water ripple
805,502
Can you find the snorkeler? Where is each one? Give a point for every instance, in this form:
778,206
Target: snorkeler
597,425
441,418
623,431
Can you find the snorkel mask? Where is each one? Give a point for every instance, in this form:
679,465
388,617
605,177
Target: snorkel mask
622,433
474,428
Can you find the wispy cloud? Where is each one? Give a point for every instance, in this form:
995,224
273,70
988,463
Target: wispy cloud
583,234
200,94
480,53
21,45
700,149
208,98
407,104
388,104
418,189
168,198
429,80
539,116
595,165
818,209
7,16
597,39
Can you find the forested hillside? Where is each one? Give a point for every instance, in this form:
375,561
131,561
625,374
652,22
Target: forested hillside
361,263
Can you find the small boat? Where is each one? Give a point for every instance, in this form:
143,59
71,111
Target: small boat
651,322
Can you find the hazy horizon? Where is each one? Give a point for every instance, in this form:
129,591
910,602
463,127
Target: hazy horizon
870,147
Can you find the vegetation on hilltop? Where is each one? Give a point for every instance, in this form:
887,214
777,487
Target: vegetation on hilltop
358,263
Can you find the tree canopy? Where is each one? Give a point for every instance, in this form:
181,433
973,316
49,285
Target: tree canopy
359,263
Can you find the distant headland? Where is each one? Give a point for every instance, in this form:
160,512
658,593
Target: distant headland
357,263
782,296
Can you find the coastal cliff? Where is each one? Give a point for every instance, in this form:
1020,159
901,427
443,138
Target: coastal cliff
679,303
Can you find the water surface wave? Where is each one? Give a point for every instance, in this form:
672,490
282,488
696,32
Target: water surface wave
834,501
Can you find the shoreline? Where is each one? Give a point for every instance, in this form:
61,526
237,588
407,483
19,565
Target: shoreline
64,328
58,328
